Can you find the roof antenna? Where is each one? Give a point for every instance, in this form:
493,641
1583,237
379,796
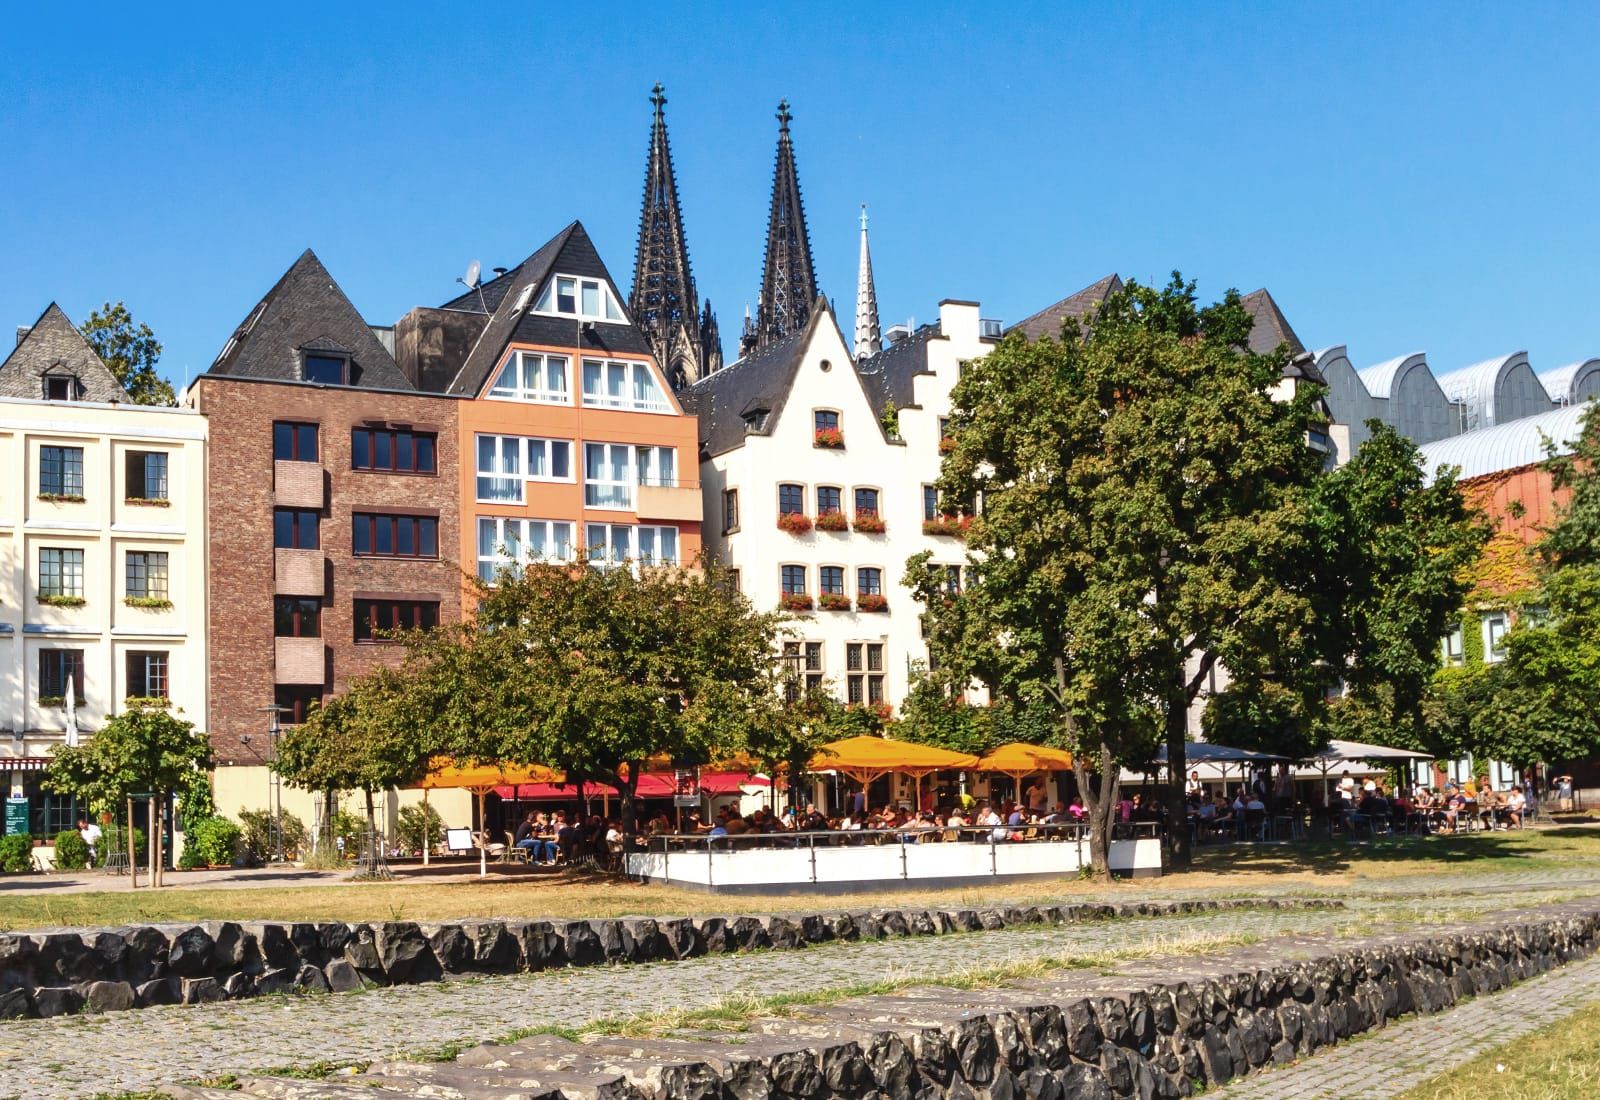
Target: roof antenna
472,282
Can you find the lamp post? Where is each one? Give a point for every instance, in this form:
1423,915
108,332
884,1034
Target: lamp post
275,791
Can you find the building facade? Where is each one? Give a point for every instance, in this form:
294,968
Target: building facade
102,558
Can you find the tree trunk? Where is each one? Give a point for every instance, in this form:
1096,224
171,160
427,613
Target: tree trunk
629,813
1101,807
1177,723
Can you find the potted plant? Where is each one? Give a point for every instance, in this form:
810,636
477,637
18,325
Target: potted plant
833,521
831,438
156,603
869,523
946,444
796,523
795,601
872,601
952,525
834,601
61,601
148,502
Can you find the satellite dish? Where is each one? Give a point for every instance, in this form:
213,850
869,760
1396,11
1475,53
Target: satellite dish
474,269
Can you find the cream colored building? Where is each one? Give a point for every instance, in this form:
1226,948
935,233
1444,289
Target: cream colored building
102,548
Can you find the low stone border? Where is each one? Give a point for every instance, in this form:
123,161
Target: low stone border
1161,1029
54,973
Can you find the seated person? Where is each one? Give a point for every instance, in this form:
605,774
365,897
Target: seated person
1515,806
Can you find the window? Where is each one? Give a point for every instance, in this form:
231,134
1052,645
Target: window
794,580
376,534
294,442
657,466
375,618
60,387
826,420
296,529
296,617
147,675
863,662
613,385
294,701
326,370
394,450
505,543
869,581
146,574
60,572
733,580
549,460
791,666
572,296
832,580
61,471
791,499
608,475
730,510
56,668
813,666
1495,625
611,543
944,427
1453,655
146,475
828,499
866,502
930,502
952,580
528,376
500,468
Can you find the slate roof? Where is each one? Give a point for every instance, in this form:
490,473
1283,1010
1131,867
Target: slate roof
55,346
1047,322
306,310
569,252
760,382
888,376
1271,327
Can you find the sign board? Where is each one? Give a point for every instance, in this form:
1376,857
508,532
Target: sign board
16,816
686,787
458,840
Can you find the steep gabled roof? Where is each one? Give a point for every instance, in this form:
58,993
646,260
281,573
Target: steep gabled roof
569,252
1048,321
55,346
889,375
307,311
1271,327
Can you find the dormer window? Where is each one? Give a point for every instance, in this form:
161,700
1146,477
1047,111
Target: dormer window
327,370
574,296
62,387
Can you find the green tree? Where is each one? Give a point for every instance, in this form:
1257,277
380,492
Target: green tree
131,351
1145,516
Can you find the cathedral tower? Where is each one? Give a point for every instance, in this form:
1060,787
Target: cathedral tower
869,333
788,284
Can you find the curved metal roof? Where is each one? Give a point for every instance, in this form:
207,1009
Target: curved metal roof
1505,446
1565,384
1380,378
1478,385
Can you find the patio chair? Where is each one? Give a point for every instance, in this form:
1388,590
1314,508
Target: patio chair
1255,824
491,847
513,854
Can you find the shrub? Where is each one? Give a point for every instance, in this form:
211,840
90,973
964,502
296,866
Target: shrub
72,851
16,853
833,521
796,523
213,840
256,827
348,827
834,601
869,523
795,601
408,830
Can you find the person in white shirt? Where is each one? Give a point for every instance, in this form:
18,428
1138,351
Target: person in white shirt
91,836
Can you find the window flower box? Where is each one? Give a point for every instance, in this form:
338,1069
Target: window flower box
832,521
48,702
869,523
155,603
831,438
147,702
954,526
871,601
946,444
834,601
795,601
63,498
148,502
796,523
62,601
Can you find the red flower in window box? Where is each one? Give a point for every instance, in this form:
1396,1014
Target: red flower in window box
871,601
831,438
833,601
795,601
796,523
947,444
833,521
954,526
869,523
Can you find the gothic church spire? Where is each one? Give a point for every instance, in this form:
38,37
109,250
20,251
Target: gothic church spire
663,302
788,284
869,334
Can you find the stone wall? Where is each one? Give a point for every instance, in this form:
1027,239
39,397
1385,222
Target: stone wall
53,973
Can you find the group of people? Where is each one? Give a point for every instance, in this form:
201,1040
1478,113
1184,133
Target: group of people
551,839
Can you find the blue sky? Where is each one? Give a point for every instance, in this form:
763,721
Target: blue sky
1402,177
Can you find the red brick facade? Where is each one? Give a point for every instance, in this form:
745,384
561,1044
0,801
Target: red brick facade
241,578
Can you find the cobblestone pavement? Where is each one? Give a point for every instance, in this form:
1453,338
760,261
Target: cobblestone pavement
78,1056
1386,1063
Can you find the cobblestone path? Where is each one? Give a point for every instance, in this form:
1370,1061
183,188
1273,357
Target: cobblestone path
1388,1062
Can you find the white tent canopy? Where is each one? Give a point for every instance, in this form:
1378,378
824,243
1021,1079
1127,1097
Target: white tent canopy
1341,751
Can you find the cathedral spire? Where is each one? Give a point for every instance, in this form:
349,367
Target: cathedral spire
869,334
663,302
788,284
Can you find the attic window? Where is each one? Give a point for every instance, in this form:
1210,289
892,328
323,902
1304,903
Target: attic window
327,370
522,298
61,387
755,420
572,296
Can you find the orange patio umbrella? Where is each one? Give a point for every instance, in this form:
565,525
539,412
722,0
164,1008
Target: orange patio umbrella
1020,758
445,774
866,758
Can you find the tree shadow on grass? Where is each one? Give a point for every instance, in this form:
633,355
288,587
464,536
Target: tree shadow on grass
1341,855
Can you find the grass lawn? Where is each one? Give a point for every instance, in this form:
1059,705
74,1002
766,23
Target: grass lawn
1559,1062
1243,869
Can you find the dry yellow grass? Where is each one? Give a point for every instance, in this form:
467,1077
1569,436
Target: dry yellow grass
1559,1062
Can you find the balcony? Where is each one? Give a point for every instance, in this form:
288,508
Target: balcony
298,661
675,501
296,484
297,572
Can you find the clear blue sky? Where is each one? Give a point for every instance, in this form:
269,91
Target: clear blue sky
1402,177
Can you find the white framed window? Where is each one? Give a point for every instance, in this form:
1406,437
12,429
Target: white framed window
1495,625
506,542
500,469
549,460
580,296
608,475
613,384
530,376
657,465
1451,650
611,544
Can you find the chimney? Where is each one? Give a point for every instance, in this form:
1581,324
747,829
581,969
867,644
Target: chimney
22,332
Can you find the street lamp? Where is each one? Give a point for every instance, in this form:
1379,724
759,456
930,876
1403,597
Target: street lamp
275,792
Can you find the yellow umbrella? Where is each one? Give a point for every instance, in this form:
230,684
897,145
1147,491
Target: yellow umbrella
444,773
1019,759
866,758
